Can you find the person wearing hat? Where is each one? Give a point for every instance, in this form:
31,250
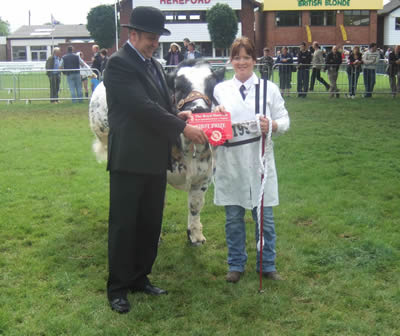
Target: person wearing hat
144,125
174,56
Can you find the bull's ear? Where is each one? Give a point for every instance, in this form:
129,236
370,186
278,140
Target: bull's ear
171,80
219,74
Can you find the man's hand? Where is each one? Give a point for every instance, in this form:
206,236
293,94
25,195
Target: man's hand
195,134
185,115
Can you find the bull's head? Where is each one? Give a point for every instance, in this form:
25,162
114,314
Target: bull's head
192,84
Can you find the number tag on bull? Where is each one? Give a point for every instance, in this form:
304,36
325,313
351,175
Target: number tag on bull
217,126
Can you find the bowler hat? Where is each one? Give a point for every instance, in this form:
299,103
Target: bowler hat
147,19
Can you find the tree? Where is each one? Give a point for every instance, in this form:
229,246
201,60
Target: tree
101,25
4,28
222,25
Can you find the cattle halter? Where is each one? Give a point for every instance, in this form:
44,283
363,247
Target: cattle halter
194,95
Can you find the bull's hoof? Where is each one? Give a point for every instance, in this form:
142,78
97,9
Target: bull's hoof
194,243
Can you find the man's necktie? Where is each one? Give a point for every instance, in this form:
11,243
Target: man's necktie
242,91
153,72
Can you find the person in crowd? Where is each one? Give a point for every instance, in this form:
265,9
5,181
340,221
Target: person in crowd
236,179
266,63
303,70
144,124
192,53
104,60
333,62
370,60
53,64
387,53
285,66
186,42
394,70
96,61
85,72
353,70
71,65
174,56
317,62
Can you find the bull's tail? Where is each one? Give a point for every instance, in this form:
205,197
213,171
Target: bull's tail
100,150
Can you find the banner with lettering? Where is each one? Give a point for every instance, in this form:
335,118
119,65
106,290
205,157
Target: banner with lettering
178,5
282,5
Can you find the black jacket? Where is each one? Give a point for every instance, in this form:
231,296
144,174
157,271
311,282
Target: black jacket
304,59
97,63
333,61
70,61
393,68
168,58
142,120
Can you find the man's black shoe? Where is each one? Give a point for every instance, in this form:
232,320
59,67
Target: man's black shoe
120,305
151,290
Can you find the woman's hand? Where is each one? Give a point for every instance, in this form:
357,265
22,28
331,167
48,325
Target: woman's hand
220,109
264,124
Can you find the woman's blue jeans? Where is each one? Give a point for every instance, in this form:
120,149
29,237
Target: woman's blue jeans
236,239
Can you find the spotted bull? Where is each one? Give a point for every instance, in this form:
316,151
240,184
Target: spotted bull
192,85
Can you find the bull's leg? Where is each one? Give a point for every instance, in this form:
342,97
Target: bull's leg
195,228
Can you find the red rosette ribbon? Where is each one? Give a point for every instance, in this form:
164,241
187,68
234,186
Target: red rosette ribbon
216,136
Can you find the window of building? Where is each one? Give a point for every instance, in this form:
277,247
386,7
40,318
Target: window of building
39,53
19,53
185,17
397,23
287,19
323,18
356,18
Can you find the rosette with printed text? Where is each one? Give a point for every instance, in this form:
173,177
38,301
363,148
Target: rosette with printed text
217,126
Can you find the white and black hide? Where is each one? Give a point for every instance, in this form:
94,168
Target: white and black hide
191,84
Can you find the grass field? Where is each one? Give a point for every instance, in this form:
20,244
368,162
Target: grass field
338,231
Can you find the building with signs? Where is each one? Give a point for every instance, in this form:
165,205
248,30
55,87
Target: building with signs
187,19
330,22
389,24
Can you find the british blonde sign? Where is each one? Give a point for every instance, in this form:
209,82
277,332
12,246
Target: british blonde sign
271,5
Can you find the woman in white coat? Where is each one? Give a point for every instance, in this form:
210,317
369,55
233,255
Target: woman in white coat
237,176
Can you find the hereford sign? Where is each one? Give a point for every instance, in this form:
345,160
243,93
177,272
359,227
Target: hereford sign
183,2
185,5
322,5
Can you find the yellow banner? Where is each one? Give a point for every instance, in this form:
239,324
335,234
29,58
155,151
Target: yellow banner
282,5
344,33
309,36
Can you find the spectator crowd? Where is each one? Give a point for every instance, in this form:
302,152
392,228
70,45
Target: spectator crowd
308,62
314,60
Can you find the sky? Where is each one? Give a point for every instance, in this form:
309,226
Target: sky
16,12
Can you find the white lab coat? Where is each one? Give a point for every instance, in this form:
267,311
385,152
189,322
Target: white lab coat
237,176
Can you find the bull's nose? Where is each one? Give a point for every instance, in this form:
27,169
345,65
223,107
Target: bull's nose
200,109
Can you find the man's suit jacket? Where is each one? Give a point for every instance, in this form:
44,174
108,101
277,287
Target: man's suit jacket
142,120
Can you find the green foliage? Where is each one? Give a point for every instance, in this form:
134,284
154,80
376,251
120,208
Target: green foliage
338,228
222,25
101,25
4,28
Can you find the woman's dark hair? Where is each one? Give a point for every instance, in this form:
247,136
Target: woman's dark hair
247,44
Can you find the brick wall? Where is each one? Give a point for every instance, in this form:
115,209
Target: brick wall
247,18
325,35
125,14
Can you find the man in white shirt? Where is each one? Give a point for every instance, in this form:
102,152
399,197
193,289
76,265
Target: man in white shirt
370,60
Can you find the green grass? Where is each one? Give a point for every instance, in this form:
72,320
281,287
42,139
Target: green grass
338,233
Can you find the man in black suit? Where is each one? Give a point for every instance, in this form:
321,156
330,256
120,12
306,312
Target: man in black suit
143,126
